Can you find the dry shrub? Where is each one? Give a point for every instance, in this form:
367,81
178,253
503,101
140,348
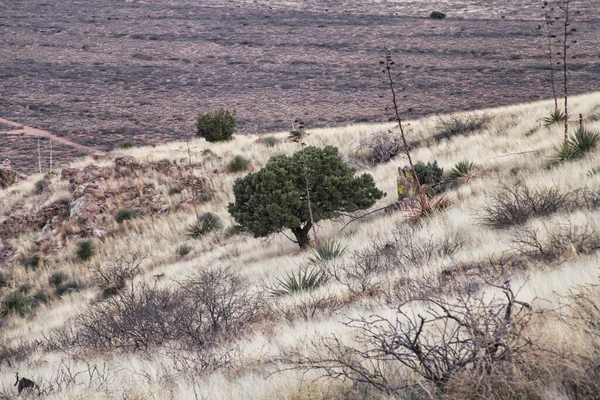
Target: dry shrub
448,338
517,203
461,124
307,306
112,275
381,147
555,241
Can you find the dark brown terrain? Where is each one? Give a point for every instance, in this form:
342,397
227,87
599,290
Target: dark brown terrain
105,71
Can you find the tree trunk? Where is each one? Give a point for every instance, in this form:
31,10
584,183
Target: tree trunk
301,235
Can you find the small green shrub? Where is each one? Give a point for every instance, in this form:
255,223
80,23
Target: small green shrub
128,144
326,251
85,249
40,186
205,197
124,214
216,126
32,263
270,141
205,223
174,190
3,279
41,297
57,278
69,286
555,117
184,250
305,279
15,303
429,174
25,288
462,170
238,164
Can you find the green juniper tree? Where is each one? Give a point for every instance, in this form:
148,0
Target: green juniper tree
275,198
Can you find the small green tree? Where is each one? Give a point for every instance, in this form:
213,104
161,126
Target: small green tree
216,126
275,198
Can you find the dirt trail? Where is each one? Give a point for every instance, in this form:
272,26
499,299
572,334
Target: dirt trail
27,130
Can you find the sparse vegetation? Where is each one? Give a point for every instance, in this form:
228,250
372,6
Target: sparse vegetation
270,141
125,214
85,249
183,250
16,303
238,164
216,126
128,144
303,280
204,224
381,147
461,124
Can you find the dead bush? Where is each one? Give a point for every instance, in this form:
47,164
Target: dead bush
112,275
461,124
308,306
517,203
449,337
554,241
217,305
137,318
381,147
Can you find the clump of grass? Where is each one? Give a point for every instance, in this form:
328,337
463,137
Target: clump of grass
204,224
15,303
326,251
462,170
41,297
304,280
32,263
57,278
238,164
3,279
270,141
234,230
25,288
183,250
128,144
555,117
85,249
581,142
462,124
69,286
40,186
125,214
173,190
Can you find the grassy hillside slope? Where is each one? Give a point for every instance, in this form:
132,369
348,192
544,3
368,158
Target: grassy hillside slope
257,360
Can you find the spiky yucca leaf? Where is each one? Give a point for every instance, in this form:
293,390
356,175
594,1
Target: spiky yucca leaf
305,279
462,170
555,117
326,251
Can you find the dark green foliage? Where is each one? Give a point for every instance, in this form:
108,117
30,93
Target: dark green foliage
41,297
184,249
124,214
85,249
555,117
57,278
15,303
462,169
25,288
274,198
326,251
429,174
205,223
32,262
238,164
270,141
40,186
305,279
69,286
3,280
580,142
128,144
216,126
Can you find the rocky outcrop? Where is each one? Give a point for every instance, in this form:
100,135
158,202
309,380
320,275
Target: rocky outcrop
8,176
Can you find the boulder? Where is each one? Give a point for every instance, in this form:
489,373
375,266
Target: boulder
85,208
92,173
125,165
437,15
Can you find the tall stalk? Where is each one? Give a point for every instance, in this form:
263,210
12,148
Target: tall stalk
388,62
566,33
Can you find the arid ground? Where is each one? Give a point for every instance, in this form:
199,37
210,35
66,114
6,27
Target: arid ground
102,72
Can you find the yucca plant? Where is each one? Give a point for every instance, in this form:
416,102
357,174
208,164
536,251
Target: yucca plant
326,251
555,117
462,170
205,223
305,279
426,207
593,172
580,142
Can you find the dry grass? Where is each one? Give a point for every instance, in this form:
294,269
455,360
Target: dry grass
512,147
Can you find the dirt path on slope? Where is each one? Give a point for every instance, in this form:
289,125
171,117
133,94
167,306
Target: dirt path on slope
29,131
